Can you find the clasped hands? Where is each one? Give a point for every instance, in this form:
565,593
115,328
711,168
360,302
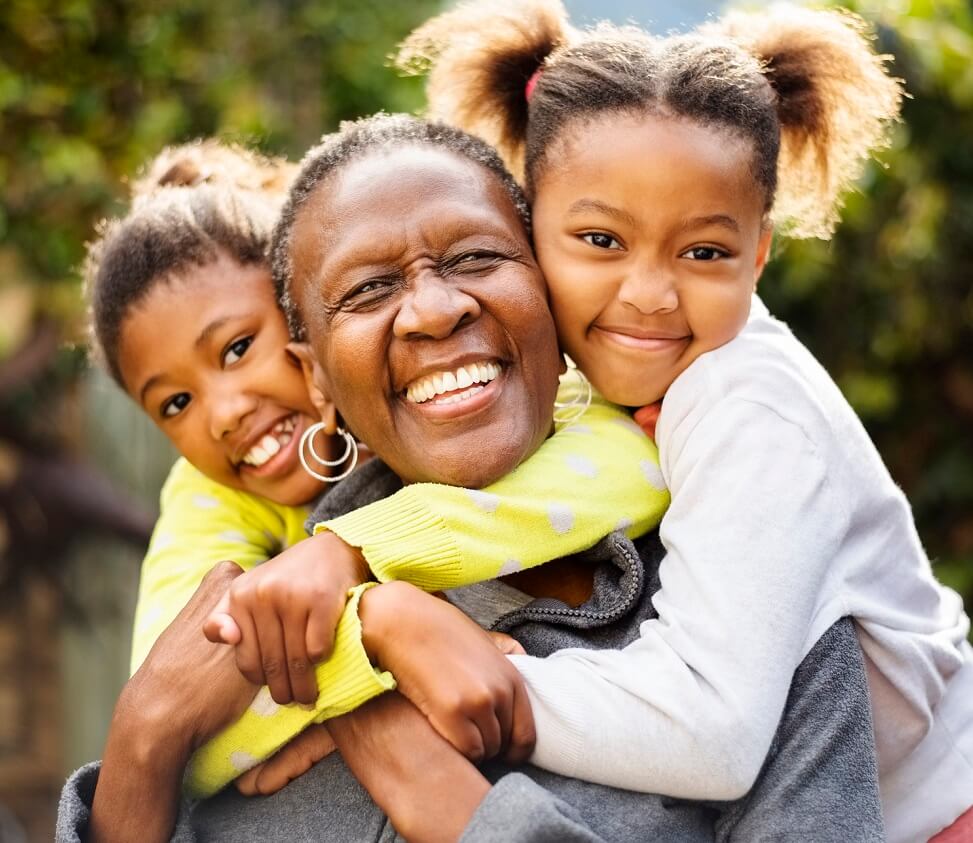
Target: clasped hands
281,617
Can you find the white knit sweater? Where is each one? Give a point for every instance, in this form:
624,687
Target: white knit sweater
783,520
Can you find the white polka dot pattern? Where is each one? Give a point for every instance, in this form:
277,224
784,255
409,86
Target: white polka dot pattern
234,536
629,425
581,465
561,517
486,501
653,474
242,761
624,524
511,566
263,704
205,502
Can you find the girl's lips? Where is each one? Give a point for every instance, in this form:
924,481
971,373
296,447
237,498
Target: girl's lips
437,411
642,341
284,460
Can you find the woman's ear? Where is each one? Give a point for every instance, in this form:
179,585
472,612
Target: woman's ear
317,386
763,254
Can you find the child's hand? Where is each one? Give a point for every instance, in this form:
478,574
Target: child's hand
452,671
282,615
293,760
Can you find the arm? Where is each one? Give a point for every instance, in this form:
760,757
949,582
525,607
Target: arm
750,535
202,523
406,767
186,690
587,480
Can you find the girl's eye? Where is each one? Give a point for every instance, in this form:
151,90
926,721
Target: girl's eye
236,350
175,405
705,253
601,240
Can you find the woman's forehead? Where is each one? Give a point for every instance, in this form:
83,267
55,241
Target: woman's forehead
399,192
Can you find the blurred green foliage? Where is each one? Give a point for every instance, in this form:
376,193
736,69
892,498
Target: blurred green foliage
887,305
89,89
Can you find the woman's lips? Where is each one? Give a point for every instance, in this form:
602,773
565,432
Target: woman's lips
460,402
642,340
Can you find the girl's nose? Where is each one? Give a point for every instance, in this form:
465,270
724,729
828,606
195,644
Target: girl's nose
434,308
650,289
228,407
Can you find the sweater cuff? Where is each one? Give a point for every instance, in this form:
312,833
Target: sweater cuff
345,681
348,679
401,539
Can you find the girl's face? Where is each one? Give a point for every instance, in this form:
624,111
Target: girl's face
205,355
650,234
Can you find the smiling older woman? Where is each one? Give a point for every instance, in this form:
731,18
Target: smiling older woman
404,251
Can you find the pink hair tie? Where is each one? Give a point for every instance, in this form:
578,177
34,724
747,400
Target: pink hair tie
532,83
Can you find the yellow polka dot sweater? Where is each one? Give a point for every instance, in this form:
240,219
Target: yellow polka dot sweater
592,477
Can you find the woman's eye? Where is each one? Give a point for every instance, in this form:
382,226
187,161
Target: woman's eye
175,405
705,253
601,240
236,350
475,261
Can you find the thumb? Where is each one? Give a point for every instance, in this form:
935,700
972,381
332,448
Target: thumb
219,627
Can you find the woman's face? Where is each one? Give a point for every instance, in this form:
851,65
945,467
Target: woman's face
426,315
205,356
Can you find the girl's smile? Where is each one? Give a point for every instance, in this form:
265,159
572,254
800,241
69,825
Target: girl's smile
205,355
651,251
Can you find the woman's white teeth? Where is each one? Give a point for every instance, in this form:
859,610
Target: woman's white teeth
471,375
270,443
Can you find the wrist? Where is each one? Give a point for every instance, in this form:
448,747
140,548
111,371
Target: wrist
382,611
336,551
147,734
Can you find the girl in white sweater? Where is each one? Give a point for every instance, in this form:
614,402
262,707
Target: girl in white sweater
656,168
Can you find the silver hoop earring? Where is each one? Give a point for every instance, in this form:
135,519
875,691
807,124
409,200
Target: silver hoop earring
578,396
350,455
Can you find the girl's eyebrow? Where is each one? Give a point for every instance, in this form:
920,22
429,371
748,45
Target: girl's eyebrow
721,220
587,205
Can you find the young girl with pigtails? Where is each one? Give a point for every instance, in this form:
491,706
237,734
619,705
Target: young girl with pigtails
657,169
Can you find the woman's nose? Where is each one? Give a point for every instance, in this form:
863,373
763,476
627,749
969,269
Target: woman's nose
649,289
434,308
228,407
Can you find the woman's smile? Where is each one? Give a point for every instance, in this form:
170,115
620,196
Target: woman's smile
413,269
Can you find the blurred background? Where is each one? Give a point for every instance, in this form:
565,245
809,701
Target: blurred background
90,89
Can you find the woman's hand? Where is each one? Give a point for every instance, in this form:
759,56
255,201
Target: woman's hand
293,760
282,615
407,768
186,690
450,669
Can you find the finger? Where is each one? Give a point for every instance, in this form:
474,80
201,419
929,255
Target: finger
463,734
300,671
247,783
491,730
220,628
319,639
506,644
247,650
295,759
273,654
520,745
